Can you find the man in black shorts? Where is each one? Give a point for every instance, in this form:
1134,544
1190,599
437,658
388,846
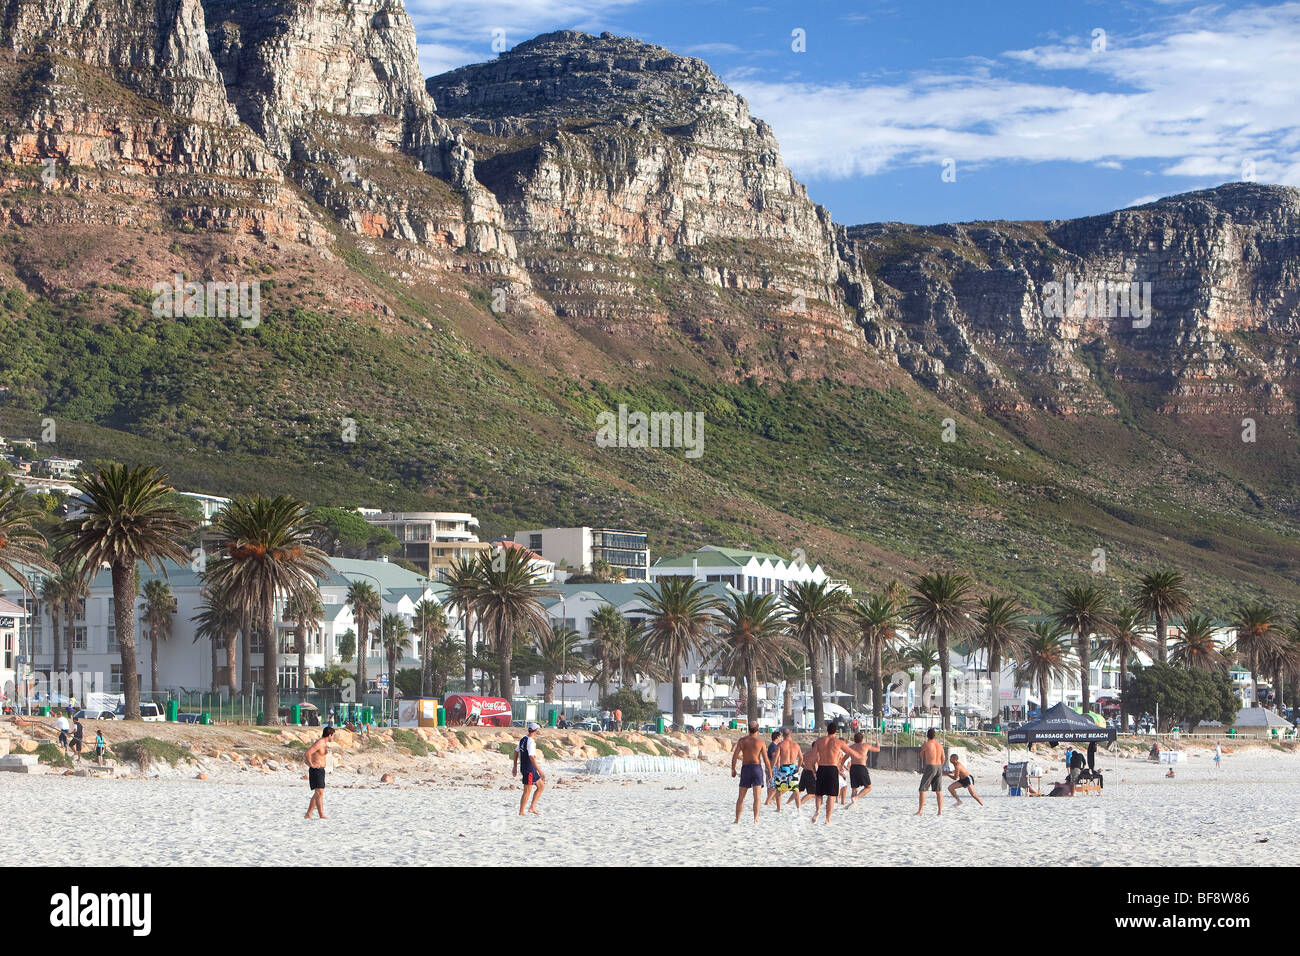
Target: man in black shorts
316,773
962,778
530,772
807,779
857,754
828,753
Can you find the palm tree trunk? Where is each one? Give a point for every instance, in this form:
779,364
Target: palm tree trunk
679,708
212,644
363,648
232,673
877,687
1254,677
787,704
69,628
504,652
246,658
1123,696
270,662
469,652
300,638
751,692
124,613
548,697
425,676
1085,659
815,674
1162,633
153,663
1042,695
995,687
942,639
56,633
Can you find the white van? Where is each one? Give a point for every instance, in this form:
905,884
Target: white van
148,711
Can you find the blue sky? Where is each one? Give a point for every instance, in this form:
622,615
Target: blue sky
1046,110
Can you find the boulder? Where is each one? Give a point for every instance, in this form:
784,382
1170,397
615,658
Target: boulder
201,776
388,778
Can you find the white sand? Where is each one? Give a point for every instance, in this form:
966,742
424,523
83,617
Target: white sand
250,819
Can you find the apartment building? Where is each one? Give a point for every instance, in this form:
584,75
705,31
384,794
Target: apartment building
627,553
431,540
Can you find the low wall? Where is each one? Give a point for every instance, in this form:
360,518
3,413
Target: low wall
907,759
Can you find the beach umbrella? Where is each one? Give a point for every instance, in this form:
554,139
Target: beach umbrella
1092,715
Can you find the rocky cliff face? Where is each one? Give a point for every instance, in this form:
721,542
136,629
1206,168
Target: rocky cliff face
626,190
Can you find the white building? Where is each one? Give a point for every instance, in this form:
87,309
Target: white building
577,550
431,540
210,504
186,665
12,617
751,571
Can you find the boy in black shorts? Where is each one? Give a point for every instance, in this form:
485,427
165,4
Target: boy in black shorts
962,778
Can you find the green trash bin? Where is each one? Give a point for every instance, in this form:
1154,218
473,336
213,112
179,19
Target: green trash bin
295,715
659,723
733,725
173,710
45,711
552,719
368,715
205,719
261,719
907,728
442,716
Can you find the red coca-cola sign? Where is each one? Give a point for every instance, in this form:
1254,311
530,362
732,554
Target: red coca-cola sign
483,711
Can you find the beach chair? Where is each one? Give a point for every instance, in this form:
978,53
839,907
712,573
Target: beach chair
1016,779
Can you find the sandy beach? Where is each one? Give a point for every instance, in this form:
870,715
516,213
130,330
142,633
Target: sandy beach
448,812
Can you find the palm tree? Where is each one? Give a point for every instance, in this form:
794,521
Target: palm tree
608,631
1000,631
1162,595
267,542
430,622
791,670
395,639
558,655
1083,611
877,620
159,616
1044,658
22,546
305,610
444,659
940,606
52,596
462,579
1125,639
508,602
75,589
1196,649
818,618
923,656
751,640
678,615
1255,639
366,607
1278,660
125,519
218,623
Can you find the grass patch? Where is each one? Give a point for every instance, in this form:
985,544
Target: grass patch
151,750
548,752
412,742
506,748
602,749
463,738
52,755
633,745
295,745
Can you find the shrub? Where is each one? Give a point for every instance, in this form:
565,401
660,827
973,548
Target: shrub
150,750
636,709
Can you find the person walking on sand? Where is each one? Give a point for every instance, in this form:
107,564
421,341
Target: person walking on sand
807,779
78,735
828,755
1218,756
530,772
961,778
754,767
771,766
856,755
316,772
101,747
931,771
785,769
64,728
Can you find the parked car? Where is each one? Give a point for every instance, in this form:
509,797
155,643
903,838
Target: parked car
188,718
148,711
95,715
588,723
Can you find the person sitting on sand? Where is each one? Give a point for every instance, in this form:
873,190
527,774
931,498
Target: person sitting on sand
315,757
752,754
529,769
961,778
856,755
1170,773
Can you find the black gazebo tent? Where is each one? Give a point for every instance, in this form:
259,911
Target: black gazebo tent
1060,723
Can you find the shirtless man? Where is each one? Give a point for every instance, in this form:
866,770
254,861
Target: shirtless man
961,778
754,767
807,780
931,771
785,768
316,773
855,756
828,755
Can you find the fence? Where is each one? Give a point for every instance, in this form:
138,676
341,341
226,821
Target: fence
245,708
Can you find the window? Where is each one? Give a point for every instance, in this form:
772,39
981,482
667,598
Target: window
255,645
535,543
288,675
113,646
79,637
8,650
115,678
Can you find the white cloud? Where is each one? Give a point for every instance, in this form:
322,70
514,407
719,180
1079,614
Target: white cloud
1213,89
452,33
